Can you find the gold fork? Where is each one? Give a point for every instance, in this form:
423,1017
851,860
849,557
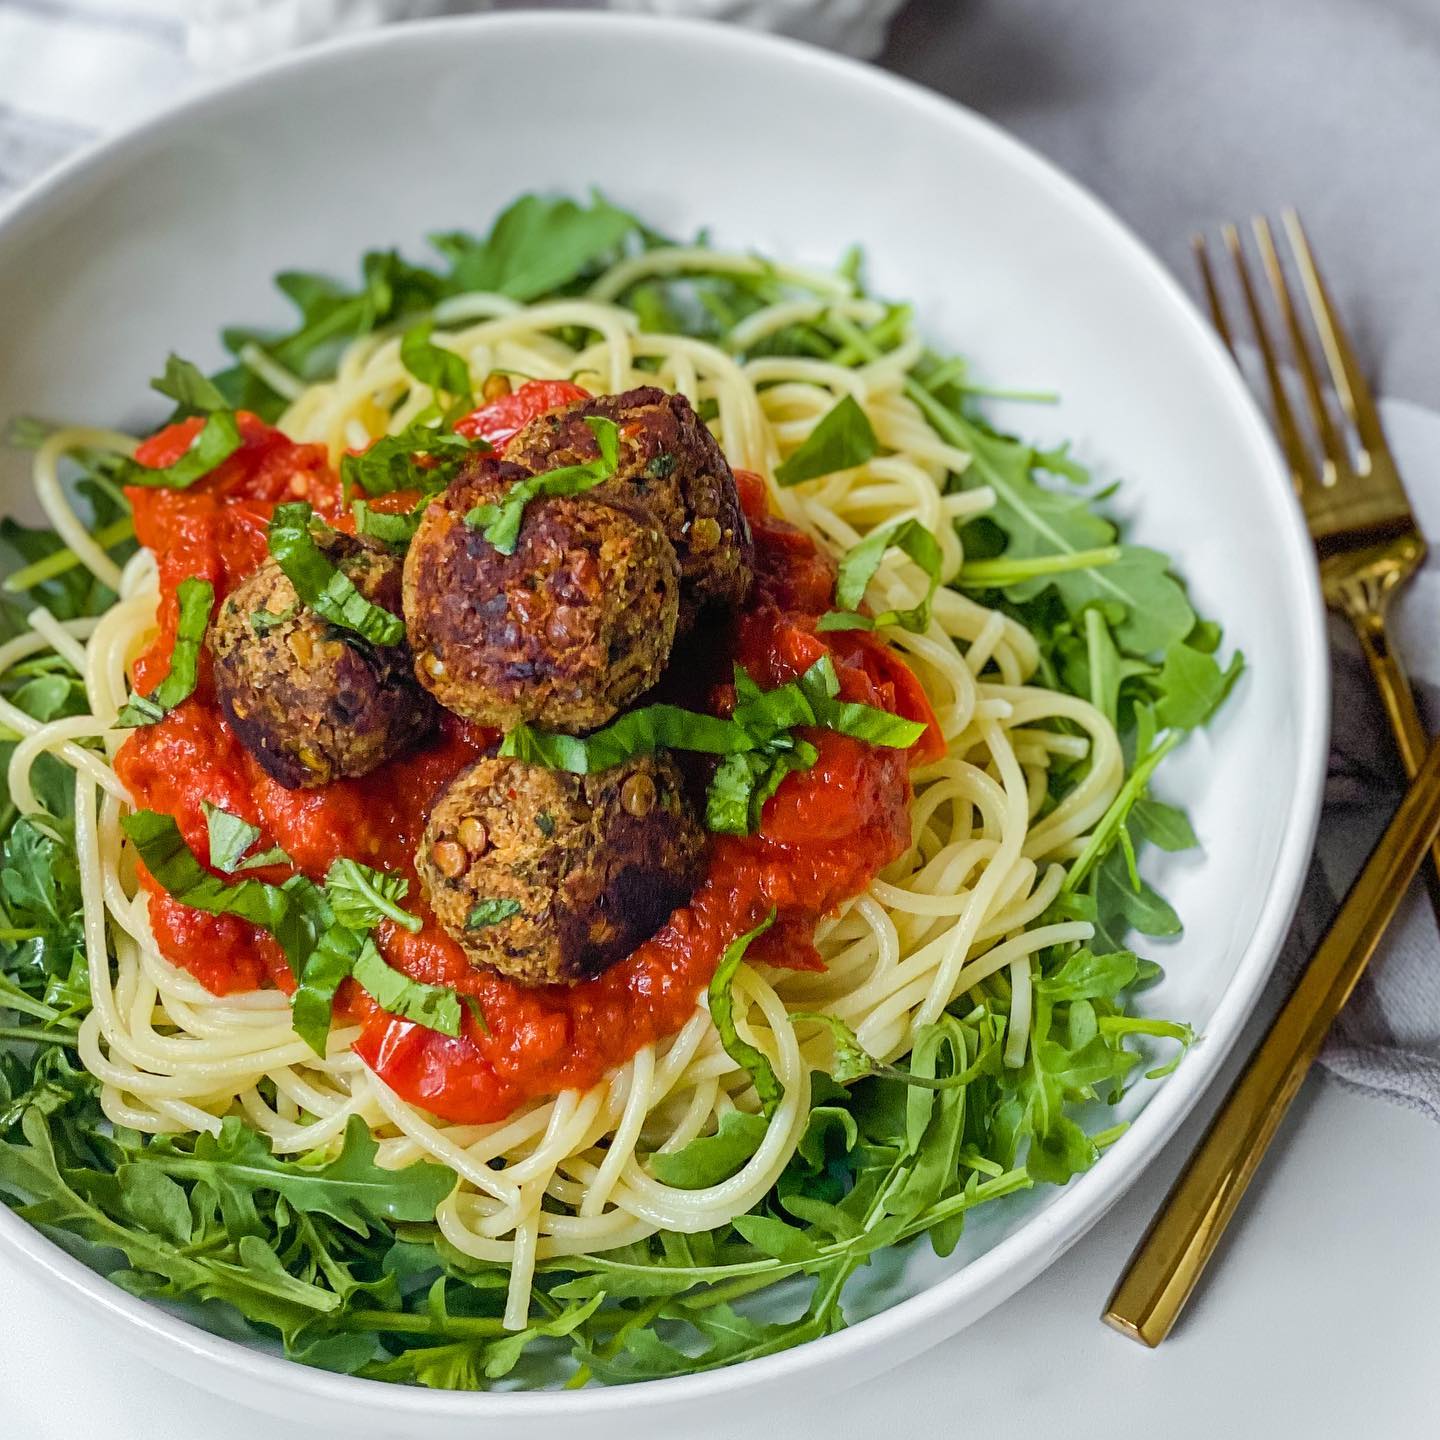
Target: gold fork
1366,538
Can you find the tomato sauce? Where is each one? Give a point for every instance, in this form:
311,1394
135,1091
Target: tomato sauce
823,836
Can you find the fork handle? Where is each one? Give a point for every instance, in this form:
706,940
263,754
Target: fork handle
1168,1263
1405,722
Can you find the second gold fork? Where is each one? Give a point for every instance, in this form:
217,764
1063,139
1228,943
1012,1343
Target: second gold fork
1366,539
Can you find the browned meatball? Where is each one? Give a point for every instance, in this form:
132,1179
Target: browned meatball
546,876
309,700
670,463
563,633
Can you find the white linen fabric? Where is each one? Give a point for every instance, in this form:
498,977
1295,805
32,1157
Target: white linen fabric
1072,78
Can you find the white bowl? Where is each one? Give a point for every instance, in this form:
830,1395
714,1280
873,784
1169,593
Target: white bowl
155,240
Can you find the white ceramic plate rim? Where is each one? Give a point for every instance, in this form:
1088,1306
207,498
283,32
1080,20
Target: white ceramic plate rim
1042,1238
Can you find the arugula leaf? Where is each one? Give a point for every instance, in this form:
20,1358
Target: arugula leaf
500,523
842,439
434,1006
183,383
323,586
195,598
1192,686
858,568
722,1012
215,443
360,897
536,246
435,366
710,1159
393,461
491,912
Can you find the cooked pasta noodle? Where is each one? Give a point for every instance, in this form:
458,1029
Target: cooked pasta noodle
960,905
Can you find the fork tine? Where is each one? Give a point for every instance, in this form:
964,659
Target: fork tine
1212,292
1345,369
1336,462
1300,469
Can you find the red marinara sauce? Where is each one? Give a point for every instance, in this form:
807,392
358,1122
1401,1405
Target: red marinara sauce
823,836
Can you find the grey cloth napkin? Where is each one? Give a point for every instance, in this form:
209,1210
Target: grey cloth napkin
1179,115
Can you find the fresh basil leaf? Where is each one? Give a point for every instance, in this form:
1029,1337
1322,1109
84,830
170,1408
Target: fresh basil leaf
638,732
434,365
361,897
389,529
491,912
842,439
858,568
230,837
322,585
722,1012
159,843
432,1006
393,461
536,246
195,599
312,1006
743,783
264,621
216,442
183,383
500,523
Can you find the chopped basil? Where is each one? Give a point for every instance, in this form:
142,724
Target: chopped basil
216,442
722,1012
195,597
159,843
323,586
184,383
757,741
477,1012
843,439
264,621
390,529
435,366
492,912
230,837
361,897
858,568
434,1006
392,462
312,1006
640,732
500,524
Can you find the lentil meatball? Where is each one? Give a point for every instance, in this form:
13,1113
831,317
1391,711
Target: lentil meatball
672,465
563,633
551,877
309,701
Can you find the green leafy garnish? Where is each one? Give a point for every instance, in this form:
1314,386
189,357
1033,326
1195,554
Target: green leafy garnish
262,622
500,524
184,383
858,568
491,912
435,366
194,598
231,837
361,897
322,585
393,462
434,1006
842,439
637,732
215,443
389,529
722,1012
